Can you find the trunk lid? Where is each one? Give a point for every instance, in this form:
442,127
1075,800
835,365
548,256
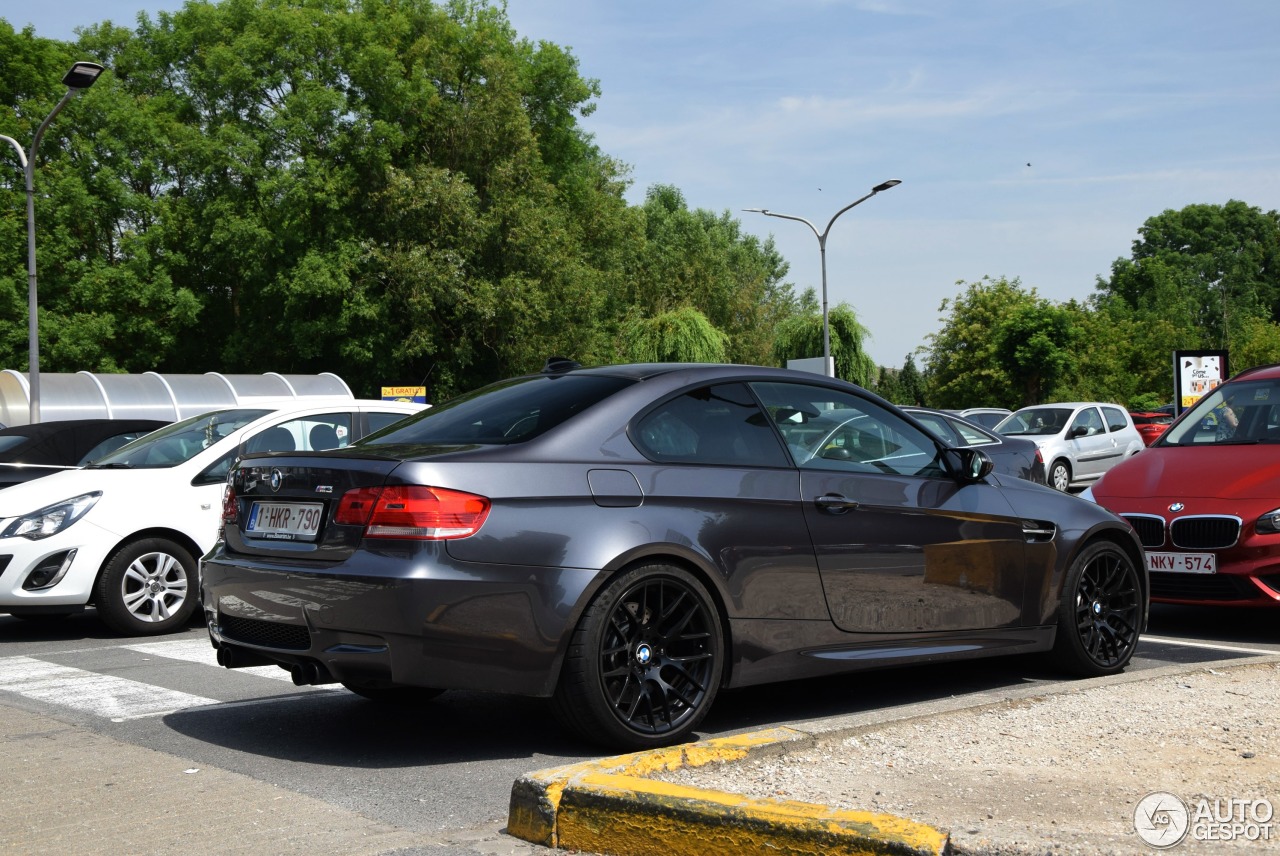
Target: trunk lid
283,504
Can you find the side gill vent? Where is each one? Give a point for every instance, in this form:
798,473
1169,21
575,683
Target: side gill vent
1039,531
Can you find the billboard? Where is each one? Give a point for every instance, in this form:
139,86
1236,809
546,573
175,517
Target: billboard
415,394
1194,374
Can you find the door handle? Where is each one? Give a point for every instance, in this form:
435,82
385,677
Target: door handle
835,503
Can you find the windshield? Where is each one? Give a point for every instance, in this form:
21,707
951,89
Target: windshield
1036,420
1238,413
511,411
180,442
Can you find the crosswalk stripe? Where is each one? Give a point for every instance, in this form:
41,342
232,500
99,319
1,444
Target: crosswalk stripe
200,651
90,692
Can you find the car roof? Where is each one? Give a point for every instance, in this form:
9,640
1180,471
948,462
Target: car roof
1267,372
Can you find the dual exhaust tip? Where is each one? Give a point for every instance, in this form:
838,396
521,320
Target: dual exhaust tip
308,673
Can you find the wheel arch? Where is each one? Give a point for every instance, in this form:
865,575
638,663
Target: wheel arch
673,554
1127,543
177,536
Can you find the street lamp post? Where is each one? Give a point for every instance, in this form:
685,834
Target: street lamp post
822,250
81,76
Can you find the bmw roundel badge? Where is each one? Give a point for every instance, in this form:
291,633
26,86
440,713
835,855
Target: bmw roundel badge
277,479
1176,507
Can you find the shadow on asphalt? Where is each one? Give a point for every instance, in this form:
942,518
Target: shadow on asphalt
344,730
340,729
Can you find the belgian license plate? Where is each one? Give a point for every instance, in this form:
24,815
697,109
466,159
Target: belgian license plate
1183,563
285,521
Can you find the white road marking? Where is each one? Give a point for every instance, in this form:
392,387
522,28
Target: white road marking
90,692
1164,640
200,651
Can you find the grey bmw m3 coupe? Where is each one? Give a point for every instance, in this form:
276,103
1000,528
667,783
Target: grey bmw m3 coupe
629,540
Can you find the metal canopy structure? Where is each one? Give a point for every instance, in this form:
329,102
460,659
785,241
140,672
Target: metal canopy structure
89,395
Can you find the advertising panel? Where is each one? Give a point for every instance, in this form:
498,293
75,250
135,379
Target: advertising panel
415,394
1194,374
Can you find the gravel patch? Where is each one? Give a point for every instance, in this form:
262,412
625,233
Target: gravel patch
1054,774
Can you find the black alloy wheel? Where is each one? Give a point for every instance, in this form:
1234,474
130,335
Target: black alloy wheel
1100,614
645,661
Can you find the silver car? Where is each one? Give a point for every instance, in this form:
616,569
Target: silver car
1079,441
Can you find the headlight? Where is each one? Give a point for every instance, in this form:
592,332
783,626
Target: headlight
51,519
1269,523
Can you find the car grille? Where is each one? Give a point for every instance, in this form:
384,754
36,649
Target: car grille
1205,533
1150,529
265,634
4,562
1201,587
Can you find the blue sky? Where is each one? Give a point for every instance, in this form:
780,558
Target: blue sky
1033,139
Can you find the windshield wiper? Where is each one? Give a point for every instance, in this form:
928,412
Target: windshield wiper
112,466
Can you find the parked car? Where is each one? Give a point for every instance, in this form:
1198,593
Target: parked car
124,532
1203,497
628,540
30,451
987,417
1079,441
1150,425
1013,456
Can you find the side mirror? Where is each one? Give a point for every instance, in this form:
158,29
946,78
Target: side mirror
973,465
1078,431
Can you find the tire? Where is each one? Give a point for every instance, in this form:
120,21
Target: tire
1060,475
148,587
1099,613
644,663
408,696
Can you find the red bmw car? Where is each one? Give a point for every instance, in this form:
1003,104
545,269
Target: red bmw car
1151,425
1204,497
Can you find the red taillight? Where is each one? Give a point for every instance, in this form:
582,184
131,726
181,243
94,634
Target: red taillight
229,513
1039,457
413,511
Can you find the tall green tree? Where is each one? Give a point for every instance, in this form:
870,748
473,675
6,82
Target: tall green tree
963,364
381,188
800,337
1206,269
682,335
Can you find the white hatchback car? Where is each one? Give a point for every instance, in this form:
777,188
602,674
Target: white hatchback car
125,532
1079,441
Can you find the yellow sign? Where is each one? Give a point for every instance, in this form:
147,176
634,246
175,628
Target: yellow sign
405,393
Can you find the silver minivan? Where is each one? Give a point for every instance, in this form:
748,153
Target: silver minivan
1079,440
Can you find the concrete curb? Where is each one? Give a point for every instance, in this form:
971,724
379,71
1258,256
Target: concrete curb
610,806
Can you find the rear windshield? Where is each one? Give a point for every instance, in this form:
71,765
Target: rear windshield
511,411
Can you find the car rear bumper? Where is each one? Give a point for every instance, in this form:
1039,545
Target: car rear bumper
392,621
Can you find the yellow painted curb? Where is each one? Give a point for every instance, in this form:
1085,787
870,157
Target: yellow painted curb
610,806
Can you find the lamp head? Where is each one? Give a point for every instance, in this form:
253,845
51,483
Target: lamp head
82,75
885,185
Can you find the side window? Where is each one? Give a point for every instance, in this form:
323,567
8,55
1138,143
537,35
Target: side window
835,430
971,436
1089,420
217,471
939,426
1115,418
379,419
304,434
719,424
